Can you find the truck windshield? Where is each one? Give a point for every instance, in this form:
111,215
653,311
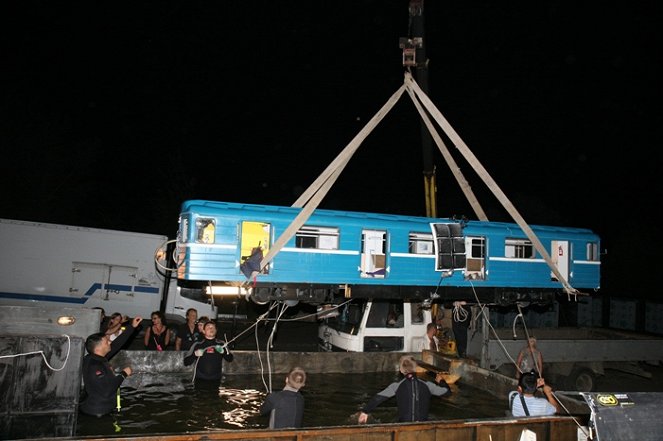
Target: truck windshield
385,313
349,317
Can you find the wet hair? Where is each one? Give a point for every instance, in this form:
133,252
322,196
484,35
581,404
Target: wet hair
527,382
93,341
297,377
408,365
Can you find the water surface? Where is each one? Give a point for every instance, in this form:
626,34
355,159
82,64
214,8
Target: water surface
169,403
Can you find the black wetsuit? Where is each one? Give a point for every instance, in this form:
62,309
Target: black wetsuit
412,397
100,381
210,364
286,407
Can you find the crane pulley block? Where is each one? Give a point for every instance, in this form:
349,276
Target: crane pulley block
409,46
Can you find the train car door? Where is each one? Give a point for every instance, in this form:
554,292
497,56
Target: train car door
449,246
373,253
560,256
255,241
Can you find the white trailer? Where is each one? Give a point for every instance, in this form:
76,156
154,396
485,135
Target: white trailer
49,265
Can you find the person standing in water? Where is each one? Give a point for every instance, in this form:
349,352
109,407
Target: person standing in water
412,394
208,354
286,407
100,382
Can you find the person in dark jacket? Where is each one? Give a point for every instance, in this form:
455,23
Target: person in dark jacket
208,355
100,382
412,394
286,407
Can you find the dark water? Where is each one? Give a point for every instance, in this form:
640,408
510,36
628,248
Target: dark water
169,403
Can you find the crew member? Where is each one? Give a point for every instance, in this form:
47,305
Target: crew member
286,407
208,355
412,394
100,382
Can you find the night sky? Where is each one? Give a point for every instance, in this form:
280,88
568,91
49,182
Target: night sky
113,114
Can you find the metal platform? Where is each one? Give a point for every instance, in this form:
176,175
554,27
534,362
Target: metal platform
617,416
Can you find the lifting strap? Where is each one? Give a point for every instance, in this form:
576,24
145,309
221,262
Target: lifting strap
455,169
311,198
487,179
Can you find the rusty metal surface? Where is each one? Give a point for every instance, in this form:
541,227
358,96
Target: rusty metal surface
545,428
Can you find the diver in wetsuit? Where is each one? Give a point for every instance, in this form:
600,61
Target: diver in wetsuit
101,383
412,394
286,407
208,355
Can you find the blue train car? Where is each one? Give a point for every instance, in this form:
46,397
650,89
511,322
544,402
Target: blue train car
370,255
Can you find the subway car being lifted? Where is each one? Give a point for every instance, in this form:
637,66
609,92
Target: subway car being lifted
341,254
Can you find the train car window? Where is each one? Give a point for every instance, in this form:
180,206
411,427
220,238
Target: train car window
477,247
420,243
519,249
205,230
592,251
322,238
476,258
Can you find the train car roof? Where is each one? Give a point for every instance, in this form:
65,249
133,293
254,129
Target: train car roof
194,205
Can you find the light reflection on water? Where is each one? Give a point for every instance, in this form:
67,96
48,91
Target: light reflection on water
169,403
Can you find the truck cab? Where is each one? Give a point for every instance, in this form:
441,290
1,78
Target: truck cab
372,325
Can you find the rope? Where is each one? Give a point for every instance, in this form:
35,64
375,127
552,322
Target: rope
460,314
44,356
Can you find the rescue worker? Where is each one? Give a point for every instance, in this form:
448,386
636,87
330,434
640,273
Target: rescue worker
286,407
208,355
100,382
412,394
